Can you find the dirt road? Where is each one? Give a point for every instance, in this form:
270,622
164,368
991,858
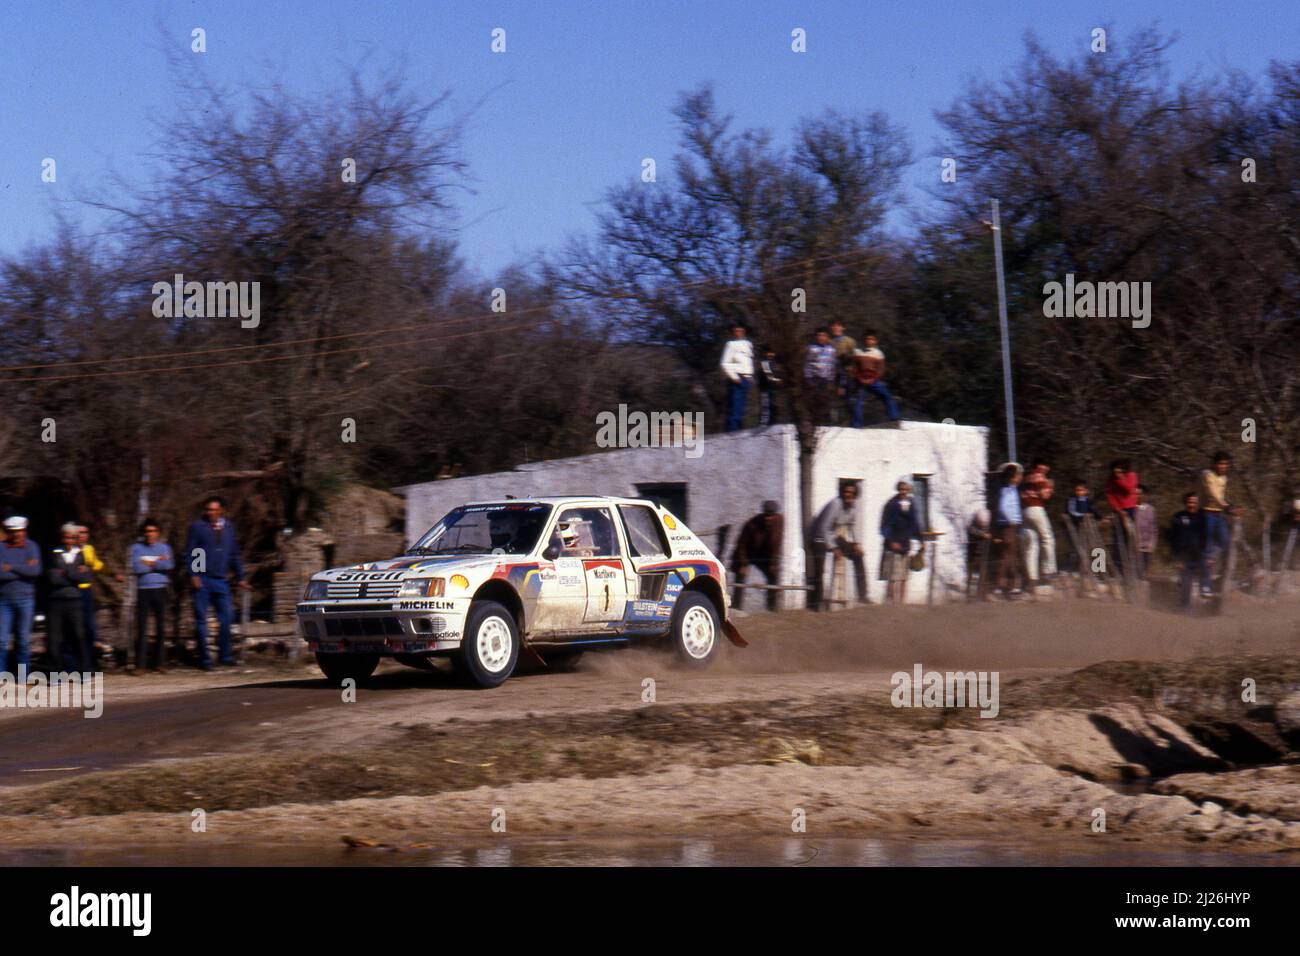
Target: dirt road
1133,714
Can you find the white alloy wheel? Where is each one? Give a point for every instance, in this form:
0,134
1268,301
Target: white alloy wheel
698,632
494,644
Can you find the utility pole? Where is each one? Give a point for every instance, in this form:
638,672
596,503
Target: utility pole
1006,340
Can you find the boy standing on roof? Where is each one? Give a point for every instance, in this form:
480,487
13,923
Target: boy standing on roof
869,376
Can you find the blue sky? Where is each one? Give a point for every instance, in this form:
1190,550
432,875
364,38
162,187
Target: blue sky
581,95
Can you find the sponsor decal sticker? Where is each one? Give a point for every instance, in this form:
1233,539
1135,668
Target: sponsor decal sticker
426,606
347,576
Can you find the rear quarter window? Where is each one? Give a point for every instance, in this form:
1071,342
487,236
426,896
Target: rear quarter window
645,535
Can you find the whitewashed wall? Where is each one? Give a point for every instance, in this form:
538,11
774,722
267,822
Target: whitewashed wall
953,455
729,481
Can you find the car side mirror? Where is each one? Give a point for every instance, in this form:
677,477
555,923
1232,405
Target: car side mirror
552,552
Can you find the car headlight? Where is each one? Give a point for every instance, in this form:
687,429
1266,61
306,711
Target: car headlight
422,587
315,590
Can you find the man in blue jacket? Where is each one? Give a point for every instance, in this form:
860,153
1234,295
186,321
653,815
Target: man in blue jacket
151,560
1189,540
900,525
212,555
20,566
1009,519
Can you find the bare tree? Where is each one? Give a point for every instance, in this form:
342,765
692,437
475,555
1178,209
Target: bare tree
1109,172
746,231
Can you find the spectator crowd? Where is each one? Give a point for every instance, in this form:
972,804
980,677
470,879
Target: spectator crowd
1020,531
838,374
1013,546
211,566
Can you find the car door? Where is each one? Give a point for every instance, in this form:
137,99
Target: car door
648,550
599,555
561,601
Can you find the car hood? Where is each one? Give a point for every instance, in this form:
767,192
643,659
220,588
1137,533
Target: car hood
412,565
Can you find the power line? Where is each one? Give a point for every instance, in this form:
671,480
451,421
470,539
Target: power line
848,257
42,379
256,345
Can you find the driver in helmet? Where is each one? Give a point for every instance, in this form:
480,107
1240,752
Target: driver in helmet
568,536
502,530
570,541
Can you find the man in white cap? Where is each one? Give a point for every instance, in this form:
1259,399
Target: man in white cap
900,525
20,566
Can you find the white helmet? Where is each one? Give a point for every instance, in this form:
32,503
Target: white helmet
568,535
502,529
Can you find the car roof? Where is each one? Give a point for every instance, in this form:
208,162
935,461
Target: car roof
563,500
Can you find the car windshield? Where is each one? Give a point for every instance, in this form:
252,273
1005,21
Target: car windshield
486,529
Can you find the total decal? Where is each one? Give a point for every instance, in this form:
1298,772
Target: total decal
347,576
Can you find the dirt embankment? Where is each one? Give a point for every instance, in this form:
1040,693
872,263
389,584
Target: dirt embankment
1160,745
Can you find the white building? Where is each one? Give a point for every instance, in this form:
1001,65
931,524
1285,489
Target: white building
715,492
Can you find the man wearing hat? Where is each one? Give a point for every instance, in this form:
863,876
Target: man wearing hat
900,525
759,544
20,566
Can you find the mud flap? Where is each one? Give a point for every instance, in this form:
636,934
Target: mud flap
733,634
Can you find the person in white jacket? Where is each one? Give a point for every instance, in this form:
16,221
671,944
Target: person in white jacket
738,366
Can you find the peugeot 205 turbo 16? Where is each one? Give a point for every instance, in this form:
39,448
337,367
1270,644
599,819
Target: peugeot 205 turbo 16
547,577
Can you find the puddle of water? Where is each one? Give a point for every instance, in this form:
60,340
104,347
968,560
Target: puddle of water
789,851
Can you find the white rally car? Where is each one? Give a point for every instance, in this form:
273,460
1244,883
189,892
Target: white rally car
547,577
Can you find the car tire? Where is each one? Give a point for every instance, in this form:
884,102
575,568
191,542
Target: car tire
489,651
696,630
339,667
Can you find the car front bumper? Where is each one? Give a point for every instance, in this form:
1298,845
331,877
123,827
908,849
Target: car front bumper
416,626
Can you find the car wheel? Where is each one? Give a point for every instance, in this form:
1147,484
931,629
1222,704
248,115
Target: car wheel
697,630
489,650
338,667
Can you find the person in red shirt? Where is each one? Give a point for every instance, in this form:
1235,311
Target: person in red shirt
1122,496
1122,487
